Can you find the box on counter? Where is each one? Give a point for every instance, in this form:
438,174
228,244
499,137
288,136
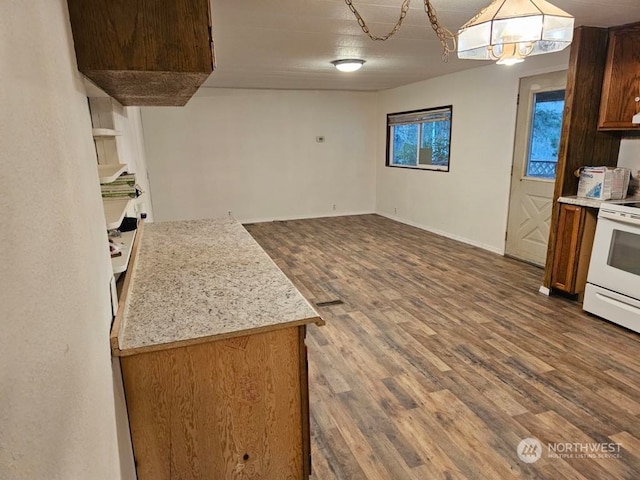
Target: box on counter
604,183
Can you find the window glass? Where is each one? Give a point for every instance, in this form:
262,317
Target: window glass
544,137
405,141
419,139
624,253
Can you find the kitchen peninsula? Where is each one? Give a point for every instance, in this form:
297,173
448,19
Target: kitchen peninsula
210,337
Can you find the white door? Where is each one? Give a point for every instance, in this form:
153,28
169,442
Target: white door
538,126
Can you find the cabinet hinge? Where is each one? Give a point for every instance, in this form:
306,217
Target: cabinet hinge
518,100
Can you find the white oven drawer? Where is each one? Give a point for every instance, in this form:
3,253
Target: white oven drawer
612,306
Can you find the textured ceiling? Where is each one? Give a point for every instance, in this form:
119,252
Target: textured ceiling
288,44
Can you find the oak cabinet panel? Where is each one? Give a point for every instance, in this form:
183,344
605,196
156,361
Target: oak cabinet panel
621,87
228,409
574,241
147,52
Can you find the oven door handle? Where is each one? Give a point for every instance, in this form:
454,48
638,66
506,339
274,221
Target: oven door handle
631,219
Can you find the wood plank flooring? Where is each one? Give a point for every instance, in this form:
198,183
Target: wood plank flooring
444,357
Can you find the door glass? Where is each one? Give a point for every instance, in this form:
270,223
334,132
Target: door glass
624,252
546,124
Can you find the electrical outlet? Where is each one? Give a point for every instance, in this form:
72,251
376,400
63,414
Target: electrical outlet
229,213
334,206
395,210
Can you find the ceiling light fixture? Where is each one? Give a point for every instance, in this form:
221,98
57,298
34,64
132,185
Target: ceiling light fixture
510,30
506,30
348,65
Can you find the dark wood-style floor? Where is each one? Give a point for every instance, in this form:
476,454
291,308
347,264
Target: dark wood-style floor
444,357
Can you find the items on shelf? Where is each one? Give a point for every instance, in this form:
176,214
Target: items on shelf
121,239
123,186
115,247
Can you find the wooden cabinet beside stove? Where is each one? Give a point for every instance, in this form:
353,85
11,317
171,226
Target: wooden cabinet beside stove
574,241
621,85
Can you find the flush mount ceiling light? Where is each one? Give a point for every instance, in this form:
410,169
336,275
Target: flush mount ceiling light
510,30
506,30
348,65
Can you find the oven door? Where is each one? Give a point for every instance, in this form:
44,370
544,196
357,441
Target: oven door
615,258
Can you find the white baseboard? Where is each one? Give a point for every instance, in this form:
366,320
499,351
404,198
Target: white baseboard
484,246
301,217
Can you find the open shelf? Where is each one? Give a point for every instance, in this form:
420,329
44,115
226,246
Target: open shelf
109,172
121,263
105,132
114,211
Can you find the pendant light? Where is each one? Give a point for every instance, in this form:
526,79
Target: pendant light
510,30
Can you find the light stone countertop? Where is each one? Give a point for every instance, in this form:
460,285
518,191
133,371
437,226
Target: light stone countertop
593,202
581,201
199,279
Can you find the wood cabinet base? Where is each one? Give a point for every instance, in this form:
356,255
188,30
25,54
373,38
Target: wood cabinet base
574,241
229,409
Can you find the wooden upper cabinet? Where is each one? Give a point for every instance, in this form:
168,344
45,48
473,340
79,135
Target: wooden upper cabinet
621,86
144,52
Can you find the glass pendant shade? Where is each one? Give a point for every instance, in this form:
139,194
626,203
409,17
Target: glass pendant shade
509,30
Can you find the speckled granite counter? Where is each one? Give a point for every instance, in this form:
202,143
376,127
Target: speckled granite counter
203,279
592,202
581,201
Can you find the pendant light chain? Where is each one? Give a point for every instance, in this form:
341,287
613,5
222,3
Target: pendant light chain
403,13
447,39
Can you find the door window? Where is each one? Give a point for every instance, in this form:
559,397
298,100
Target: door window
544,137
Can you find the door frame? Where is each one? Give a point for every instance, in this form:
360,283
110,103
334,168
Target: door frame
527,126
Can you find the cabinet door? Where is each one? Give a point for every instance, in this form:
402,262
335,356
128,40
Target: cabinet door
621,87
565,262
229,409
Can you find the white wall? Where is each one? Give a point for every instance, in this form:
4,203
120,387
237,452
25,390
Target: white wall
630,154
254,153
470,202
57,414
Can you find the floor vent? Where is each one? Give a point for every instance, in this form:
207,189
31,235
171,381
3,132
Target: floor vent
330,303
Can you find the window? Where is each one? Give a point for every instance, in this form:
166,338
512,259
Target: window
419,139
546,124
